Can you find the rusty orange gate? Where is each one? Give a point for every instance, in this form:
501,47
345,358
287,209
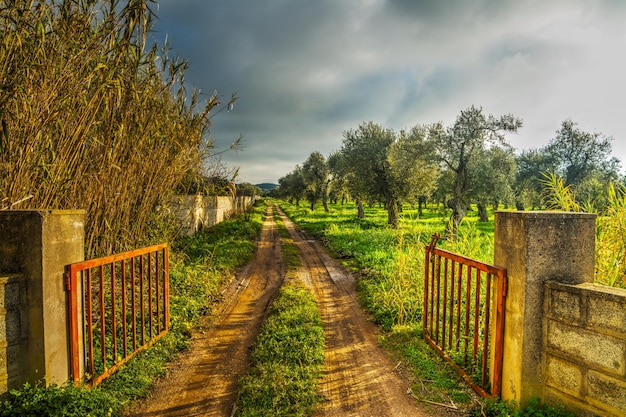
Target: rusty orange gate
118,306
463,316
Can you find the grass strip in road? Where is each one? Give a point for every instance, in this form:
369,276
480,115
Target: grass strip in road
287,358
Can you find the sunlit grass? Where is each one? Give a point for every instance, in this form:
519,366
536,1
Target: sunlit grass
390,262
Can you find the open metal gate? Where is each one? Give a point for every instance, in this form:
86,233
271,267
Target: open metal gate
118,306
463,316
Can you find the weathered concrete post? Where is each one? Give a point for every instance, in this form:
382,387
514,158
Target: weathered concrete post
38,244
536,247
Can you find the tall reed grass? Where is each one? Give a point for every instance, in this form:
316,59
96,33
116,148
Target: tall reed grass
93,118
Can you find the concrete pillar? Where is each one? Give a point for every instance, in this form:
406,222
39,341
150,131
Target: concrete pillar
38,244
536,247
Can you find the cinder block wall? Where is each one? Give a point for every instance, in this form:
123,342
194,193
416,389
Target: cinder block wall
585,348
13,326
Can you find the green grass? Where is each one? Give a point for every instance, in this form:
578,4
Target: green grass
534,408
390,262
435,380
287,358
199,268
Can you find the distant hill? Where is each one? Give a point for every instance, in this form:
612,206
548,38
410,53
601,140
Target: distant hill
266,186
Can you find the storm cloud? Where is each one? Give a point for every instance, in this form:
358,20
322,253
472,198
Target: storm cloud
306,71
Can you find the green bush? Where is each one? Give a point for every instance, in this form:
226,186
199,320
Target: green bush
56,401
534,408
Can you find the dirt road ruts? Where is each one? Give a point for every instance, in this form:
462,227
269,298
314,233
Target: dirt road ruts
204,381
359,379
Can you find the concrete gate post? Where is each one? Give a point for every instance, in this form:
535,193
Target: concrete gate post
37,244
536,247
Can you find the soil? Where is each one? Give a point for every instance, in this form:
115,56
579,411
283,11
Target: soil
359,379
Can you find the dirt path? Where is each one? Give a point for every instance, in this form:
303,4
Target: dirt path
204,381
359,378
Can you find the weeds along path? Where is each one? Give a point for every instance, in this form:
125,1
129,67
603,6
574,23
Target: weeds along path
359,379
204,381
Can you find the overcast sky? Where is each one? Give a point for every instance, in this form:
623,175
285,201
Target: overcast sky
306,71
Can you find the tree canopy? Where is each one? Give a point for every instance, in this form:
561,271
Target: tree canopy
468,162
460,145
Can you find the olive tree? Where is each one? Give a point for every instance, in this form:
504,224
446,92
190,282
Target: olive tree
292,186
494,179
579,154
365,151
458,146
414,171
316,176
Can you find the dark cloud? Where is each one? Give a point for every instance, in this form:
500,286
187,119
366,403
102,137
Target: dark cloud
305,71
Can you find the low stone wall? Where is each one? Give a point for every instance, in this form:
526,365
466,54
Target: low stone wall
585,348
196,212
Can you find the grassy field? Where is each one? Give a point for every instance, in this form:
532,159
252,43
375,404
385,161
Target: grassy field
390,262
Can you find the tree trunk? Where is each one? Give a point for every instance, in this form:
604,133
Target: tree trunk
392,213
325,196
361,209
421,200
459,210
482,212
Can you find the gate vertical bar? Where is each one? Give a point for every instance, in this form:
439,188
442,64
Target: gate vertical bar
166,287
444,303
124,325
74,313
476,320
486,344
157,290
141,300
150,320
103,347
133,301
89,320
113,313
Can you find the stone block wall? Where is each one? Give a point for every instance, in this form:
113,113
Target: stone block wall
13,325
585,348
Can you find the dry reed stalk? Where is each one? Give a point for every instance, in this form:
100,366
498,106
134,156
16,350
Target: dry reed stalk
93,123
